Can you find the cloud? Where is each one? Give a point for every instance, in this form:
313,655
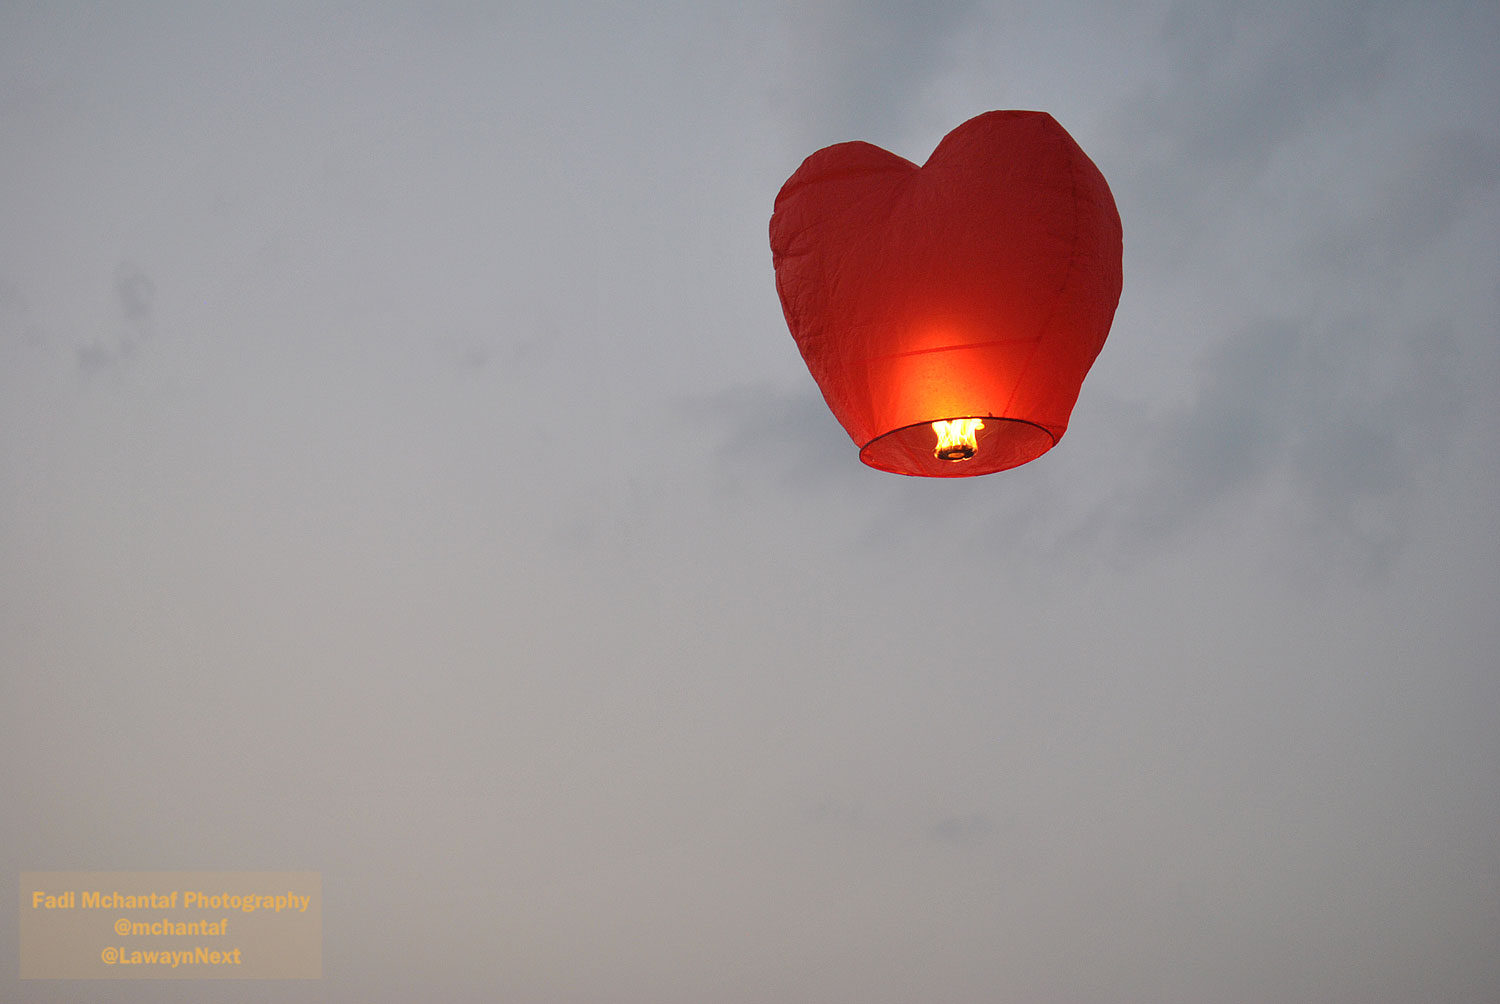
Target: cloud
97,357
965,831
1245,80
1285,216
1331,427
134,299
13,308
1233,122
135,293
832,812
860,67
787,437
1417,197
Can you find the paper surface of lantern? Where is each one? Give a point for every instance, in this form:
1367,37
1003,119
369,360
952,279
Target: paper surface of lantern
980,285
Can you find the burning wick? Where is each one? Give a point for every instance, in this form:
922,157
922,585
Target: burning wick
956,439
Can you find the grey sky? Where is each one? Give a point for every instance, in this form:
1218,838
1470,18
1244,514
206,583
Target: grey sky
406,474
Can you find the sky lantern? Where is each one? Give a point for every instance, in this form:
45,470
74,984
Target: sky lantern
950,312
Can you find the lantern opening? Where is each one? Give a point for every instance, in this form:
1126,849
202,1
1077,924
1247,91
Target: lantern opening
1001,443
957,440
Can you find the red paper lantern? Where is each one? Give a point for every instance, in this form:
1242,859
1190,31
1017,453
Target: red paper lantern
978,286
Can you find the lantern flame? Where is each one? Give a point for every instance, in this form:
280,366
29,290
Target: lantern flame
957,440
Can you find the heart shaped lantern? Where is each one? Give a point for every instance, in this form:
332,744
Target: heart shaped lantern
950,312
